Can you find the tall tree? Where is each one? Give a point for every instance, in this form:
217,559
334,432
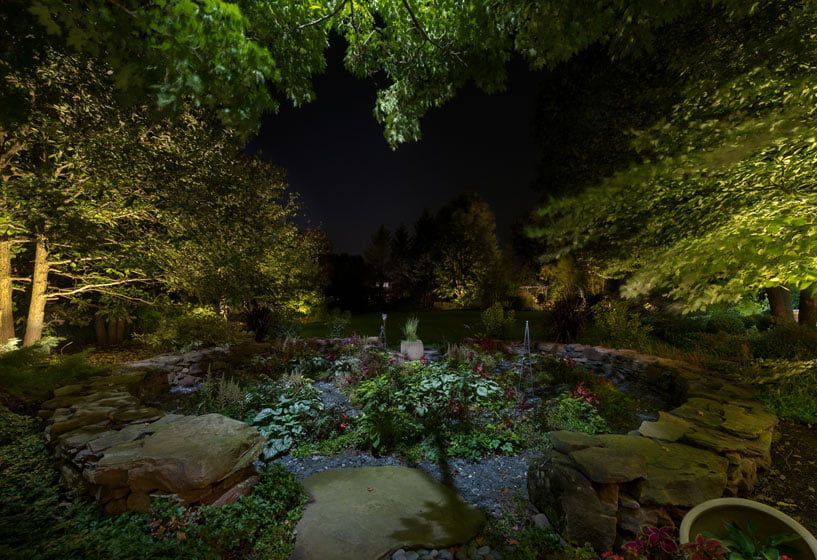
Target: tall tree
467,250
90,195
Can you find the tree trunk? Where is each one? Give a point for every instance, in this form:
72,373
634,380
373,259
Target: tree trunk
101,330
808,307
780,304
116,331
39,285
6,304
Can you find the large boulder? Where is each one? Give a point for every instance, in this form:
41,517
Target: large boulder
569,500
196,458
366,512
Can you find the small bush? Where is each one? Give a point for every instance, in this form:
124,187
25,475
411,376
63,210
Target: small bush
616,407
616,325
337,323
576,415
271,322
197,328
730,322
496,322
788,341
550,370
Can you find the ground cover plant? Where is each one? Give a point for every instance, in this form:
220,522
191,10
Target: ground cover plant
37,522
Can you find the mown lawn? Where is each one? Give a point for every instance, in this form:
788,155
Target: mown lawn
436,328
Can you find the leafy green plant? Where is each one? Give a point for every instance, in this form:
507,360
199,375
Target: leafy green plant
346,365
406,404
745,544
337,323
290,416
496,322
312,367
488,439
569,413
410,329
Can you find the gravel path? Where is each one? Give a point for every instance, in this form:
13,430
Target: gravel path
488,484
333,397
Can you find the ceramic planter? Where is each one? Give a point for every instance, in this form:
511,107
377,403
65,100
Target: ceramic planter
413,349
710,516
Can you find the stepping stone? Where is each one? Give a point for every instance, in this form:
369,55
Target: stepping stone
365,513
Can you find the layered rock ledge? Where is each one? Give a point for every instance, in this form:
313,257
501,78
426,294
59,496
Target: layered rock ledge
122,453
602,489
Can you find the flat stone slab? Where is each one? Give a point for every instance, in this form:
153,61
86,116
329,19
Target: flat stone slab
566,442
367,512
610,466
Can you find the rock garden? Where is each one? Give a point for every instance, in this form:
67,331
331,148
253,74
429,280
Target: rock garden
485,449
408,280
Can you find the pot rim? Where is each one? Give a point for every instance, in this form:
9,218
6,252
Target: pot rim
694,513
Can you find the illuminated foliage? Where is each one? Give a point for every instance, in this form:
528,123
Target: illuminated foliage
243,58
724,206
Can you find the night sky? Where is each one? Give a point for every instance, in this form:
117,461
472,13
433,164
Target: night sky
350,181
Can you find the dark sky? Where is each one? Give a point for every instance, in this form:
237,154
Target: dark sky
350,181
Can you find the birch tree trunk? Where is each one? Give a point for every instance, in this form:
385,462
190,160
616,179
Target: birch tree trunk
6,304
39,285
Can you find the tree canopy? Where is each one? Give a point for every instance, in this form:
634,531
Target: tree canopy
241,58
723,205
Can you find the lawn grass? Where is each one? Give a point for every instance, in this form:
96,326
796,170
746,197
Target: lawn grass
437,328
